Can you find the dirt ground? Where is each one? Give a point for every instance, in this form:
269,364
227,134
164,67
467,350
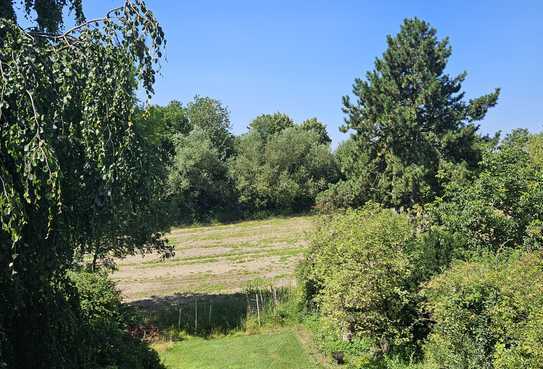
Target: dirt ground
219,259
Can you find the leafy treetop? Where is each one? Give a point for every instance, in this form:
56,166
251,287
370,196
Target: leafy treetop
266,125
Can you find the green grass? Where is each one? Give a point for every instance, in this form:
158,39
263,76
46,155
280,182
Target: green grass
208,290
273,350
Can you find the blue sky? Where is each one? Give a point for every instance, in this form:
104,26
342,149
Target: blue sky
300,57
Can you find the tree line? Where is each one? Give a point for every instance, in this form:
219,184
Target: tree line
278,166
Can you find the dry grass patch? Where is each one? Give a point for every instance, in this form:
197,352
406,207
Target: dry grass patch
219,258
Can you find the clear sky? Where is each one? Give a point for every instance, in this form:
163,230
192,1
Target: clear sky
300,57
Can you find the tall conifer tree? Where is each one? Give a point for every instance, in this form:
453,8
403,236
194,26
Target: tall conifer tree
412,124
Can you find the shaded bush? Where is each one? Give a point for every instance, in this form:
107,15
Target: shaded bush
105,326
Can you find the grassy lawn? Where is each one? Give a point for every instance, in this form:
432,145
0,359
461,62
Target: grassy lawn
276,350
219,259
199,292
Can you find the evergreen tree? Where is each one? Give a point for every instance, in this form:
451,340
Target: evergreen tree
412,124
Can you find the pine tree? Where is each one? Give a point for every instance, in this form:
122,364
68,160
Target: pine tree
412,124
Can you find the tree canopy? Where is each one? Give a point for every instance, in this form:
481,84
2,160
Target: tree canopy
411,119
283,170
211,116
75,175
266,125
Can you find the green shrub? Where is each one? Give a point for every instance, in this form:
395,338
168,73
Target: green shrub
327,338
278,307
105,326
501,209
340,195
359,274
487,313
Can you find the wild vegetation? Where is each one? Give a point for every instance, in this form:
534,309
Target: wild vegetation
277,167
428,272
419,258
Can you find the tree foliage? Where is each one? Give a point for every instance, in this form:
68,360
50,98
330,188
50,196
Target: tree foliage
281,171
212,117
488,314
314,125
199,184
161,123
411,120
74,175
359,272
501,208
49,17
267,125
454,271
471,251
107,326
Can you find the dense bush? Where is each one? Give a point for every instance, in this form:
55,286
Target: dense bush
359,274
105,324
487,313
341,195
501,208
328,338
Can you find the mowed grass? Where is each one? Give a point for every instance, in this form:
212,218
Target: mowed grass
219,259
274,350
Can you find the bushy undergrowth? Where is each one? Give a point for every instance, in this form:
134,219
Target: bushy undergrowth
451,284
106,326
367,288
487,313
360,276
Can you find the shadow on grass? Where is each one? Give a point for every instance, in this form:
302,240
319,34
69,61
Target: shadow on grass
234,220
209,314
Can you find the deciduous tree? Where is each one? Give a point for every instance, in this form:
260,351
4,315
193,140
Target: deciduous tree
74,171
